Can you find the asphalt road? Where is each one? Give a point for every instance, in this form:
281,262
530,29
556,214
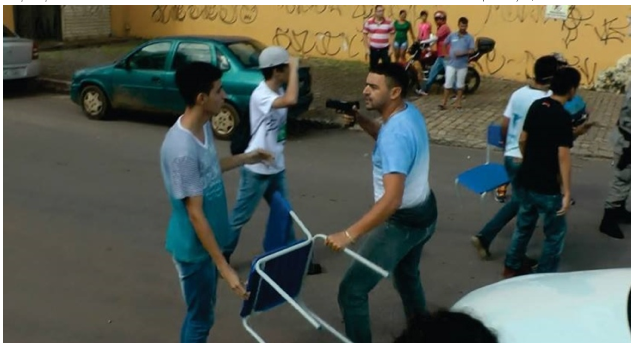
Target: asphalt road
85,214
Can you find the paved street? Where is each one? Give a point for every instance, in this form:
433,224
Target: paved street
85,214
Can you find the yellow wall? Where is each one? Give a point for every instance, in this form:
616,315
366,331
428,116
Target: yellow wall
7,16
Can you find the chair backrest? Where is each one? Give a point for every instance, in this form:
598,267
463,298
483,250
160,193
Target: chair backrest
494,138
279,224
287,270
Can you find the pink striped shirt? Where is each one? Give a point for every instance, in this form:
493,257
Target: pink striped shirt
379,33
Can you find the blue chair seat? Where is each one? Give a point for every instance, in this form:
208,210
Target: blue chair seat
484,178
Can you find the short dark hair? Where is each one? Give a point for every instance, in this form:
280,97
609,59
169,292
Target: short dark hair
395,75
446,327
377,7
565,80
268,72
463,20
195,78
402,11
424,13
545,68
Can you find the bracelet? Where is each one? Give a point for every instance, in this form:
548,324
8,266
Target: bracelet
349,236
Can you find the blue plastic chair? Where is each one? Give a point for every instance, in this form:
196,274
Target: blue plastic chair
485,178
276,277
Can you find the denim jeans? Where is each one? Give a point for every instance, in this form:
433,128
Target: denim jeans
198,285
532,205
507,212
252,188
436,68
397,247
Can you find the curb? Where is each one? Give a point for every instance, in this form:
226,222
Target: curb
53,85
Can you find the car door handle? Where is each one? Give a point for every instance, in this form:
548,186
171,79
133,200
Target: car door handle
156,80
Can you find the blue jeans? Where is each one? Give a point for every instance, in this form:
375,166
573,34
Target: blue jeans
253,187
198,285
532,205
397,247
436,68
507,212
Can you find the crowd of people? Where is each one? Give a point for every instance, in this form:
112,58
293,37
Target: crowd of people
538,134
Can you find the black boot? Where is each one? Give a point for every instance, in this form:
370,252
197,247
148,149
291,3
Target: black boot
625,217
610,224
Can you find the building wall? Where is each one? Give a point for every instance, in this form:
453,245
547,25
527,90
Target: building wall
85,22
7,17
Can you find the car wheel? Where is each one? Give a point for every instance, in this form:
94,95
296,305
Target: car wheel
94,102
225,122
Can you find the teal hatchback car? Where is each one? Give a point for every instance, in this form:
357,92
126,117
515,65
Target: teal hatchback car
143,80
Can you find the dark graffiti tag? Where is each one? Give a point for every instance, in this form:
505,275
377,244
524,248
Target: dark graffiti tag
226,14
324,43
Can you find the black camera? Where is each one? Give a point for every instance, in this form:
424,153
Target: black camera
342,106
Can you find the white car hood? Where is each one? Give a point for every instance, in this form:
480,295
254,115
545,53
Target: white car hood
586,306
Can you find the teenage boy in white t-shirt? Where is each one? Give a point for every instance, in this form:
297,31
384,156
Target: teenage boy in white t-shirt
268,113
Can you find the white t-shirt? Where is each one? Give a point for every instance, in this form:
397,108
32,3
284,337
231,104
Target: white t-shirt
516,111
269,128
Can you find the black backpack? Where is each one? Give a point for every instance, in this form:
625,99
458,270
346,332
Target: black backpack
242,136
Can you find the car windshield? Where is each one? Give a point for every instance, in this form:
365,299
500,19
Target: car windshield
6,32
247,52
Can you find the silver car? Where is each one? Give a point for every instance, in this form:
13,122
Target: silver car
20,57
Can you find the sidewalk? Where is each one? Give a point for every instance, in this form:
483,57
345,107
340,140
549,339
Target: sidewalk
466,128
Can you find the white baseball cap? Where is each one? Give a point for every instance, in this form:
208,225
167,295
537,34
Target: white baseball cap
273,56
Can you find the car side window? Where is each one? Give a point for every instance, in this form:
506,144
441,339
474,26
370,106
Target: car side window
191,52
151,57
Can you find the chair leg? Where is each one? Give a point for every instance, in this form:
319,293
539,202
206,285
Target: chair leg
457,187
325,325
245,324
482,196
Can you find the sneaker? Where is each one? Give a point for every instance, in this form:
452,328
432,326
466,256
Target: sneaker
314,269
420,92
530,263
510,273
483,251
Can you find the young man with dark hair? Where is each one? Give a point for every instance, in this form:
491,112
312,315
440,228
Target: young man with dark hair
446,326
268,109
404,215
192,175
545,144
461,45
512,124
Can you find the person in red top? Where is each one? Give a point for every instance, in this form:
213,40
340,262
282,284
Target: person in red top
442,32
378,37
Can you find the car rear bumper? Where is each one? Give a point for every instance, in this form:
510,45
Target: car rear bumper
303,104
21,71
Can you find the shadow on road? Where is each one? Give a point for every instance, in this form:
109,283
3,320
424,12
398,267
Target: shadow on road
15,89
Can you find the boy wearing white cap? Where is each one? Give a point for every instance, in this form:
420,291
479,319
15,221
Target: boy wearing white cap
268,113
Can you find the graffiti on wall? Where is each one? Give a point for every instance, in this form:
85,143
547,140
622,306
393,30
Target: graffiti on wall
577,37
323,43
226,14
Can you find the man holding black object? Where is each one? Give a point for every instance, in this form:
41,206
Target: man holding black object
617,205
404,215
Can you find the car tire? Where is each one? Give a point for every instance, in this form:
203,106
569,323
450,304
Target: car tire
224,124
94,103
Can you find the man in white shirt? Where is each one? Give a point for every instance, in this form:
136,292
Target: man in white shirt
512,125
268,114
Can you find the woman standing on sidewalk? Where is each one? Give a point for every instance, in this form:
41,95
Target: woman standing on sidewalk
402,27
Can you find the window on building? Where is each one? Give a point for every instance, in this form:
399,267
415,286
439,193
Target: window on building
151,57
191,52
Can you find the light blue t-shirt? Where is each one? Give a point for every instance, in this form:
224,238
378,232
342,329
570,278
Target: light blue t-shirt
516,111
191,168
403,147
459,43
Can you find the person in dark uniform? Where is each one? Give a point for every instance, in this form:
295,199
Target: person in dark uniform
618,202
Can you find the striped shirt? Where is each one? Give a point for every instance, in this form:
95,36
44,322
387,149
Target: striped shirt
379,33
